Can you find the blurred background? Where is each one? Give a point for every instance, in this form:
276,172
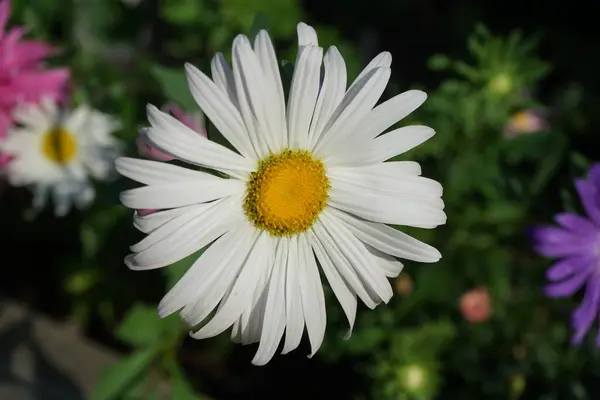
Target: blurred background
513,95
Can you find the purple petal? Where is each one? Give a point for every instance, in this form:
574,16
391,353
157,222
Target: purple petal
575,223
586,313
563,269
556,242
568,287
589,198
594,175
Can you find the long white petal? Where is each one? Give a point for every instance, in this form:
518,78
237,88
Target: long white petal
274,318
242,291
388,264
219,277
191,237
303,94
383,59
272,78
150,222
251,324
151,172
331,93
293,301
313,298
388,113
343,265
179,194
397,209
186,291
217,106
250,89
357,103
358,256
382,148
173,137
344,294
222,75
388,239
382,180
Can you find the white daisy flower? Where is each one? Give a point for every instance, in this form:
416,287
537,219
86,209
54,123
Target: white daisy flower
56,152
308,186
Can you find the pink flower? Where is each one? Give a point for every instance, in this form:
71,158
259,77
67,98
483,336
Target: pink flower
23,77
476,305
192,121
525,122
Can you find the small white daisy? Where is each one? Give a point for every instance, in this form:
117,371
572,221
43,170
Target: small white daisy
308,185
56,151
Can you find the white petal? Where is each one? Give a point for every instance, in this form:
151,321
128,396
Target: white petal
342,291
246,284
397,209
151,172
187,291
252,97
313,298
388,264
173,137
383,59
358,256
272,79
381,178
388,239
357,103
174,224
189,238
274,318
217,106
383,147
307,36
303,94
180,194
218,276
223,77
150,222
343,265
293,300
331,93
388,113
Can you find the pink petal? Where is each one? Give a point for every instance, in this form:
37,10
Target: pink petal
145,149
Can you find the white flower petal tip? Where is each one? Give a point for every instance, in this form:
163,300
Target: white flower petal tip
307,36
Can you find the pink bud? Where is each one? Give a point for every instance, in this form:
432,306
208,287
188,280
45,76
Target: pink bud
475,305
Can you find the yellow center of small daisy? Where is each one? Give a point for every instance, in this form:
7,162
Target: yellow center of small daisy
287,193
59,146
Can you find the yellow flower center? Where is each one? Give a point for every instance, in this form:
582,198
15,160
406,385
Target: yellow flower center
286,193
59,146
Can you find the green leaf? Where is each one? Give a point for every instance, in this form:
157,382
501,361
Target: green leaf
116,380
439,62
141,326
261,21
182,390
174,85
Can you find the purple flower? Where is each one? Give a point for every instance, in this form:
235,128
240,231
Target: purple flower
575,244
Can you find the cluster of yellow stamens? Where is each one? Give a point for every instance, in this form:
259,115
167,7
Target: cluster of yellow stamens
287,193
59,146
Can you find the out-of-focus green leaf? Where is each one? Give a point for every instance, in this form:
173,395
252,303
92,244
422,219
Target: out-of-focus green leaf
141,326
116,380
174,85
261,21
